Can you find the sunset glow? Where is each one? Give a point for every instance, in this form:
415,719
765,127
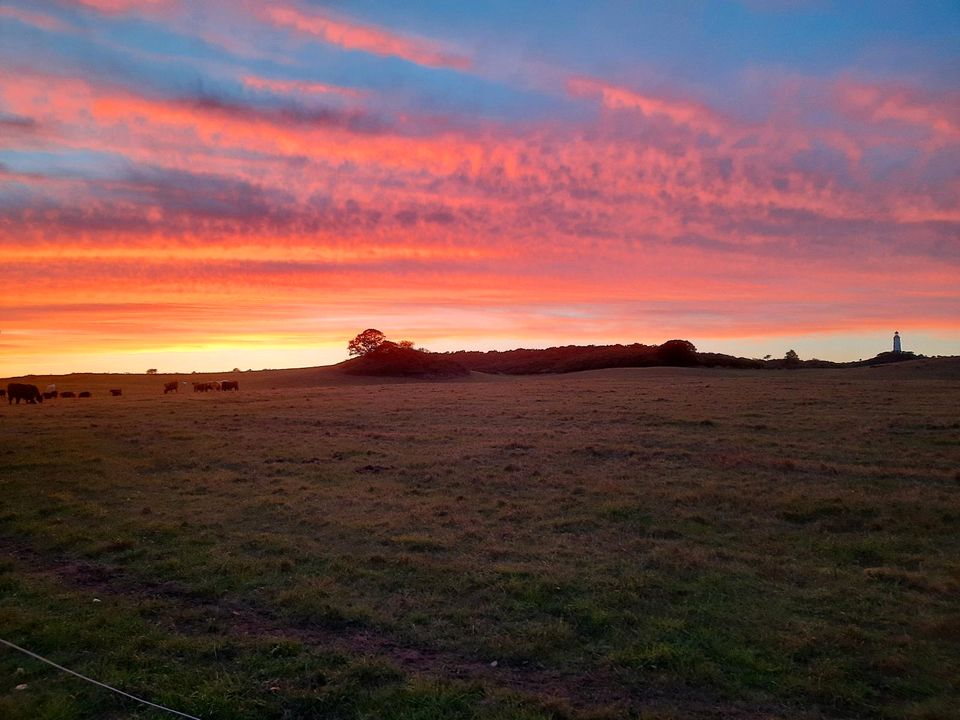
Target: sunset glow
202,186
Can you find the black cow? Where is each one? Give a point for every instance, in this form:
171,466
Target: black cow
116,393
171,387
85,394
67,394
22,391
230,385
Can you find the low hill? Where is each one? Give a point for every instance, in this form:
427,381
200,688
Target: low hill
390,360
936,368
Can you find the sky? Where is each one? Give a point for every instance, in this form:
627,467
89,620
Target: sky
236,183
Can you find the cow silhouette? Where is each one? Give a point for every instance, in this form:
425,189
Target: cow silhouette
21,391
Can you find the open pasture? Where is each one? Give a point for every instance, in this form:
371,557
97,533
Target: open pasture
655,543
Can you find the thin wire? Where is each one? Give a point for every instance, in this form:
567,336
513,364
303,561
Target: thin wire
96,682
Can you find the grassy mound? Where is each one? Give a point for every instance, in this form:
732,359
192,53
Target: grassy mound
390,360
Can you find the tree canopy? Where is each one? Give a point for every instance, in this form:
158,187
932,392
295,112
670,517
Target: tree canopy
366,342
678,352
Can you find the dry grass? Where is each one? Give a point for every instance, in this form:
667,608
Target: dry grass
655,543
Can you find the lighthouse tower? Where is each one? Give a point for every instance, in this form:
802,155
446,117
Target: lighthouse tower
896,341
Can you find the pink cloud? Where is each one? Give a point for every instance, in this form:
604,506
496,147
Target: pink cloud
880,103
230,202
366,38
291,87
37,19
116,7
613,97
541,180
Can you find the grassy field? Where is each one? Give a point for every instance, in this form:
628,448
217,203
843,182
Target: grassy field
649,543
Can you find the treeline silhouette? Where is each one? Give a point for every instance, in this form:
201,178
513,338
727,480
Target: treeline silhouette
673,353
575,358
376,355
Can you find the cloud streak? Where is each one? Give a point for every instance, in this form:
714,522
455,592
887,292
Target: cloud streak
366,38
296,87
36,19
119,7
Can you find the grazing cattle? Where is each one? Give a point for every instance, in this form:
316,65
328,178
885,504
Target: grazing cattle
3,393
230,385
21,391
199,387
50,395
215,385
85,394
171,387
67,394
116,393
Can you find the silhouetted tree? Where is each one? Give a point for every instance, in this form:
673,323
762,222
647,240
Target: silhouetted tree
678,352
407,344
367,341
791,359
152,371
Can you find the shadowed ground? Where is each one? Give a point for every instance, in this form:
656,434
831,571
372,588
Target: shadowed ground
647,543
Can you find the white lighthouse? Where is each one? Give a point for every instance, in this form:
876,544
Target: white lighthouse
896,341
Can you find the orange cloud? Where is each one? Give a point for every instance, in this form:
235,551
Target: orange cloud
365,38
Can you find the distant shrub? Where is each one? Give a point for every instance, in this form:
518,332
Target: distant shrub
391,360
678,352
